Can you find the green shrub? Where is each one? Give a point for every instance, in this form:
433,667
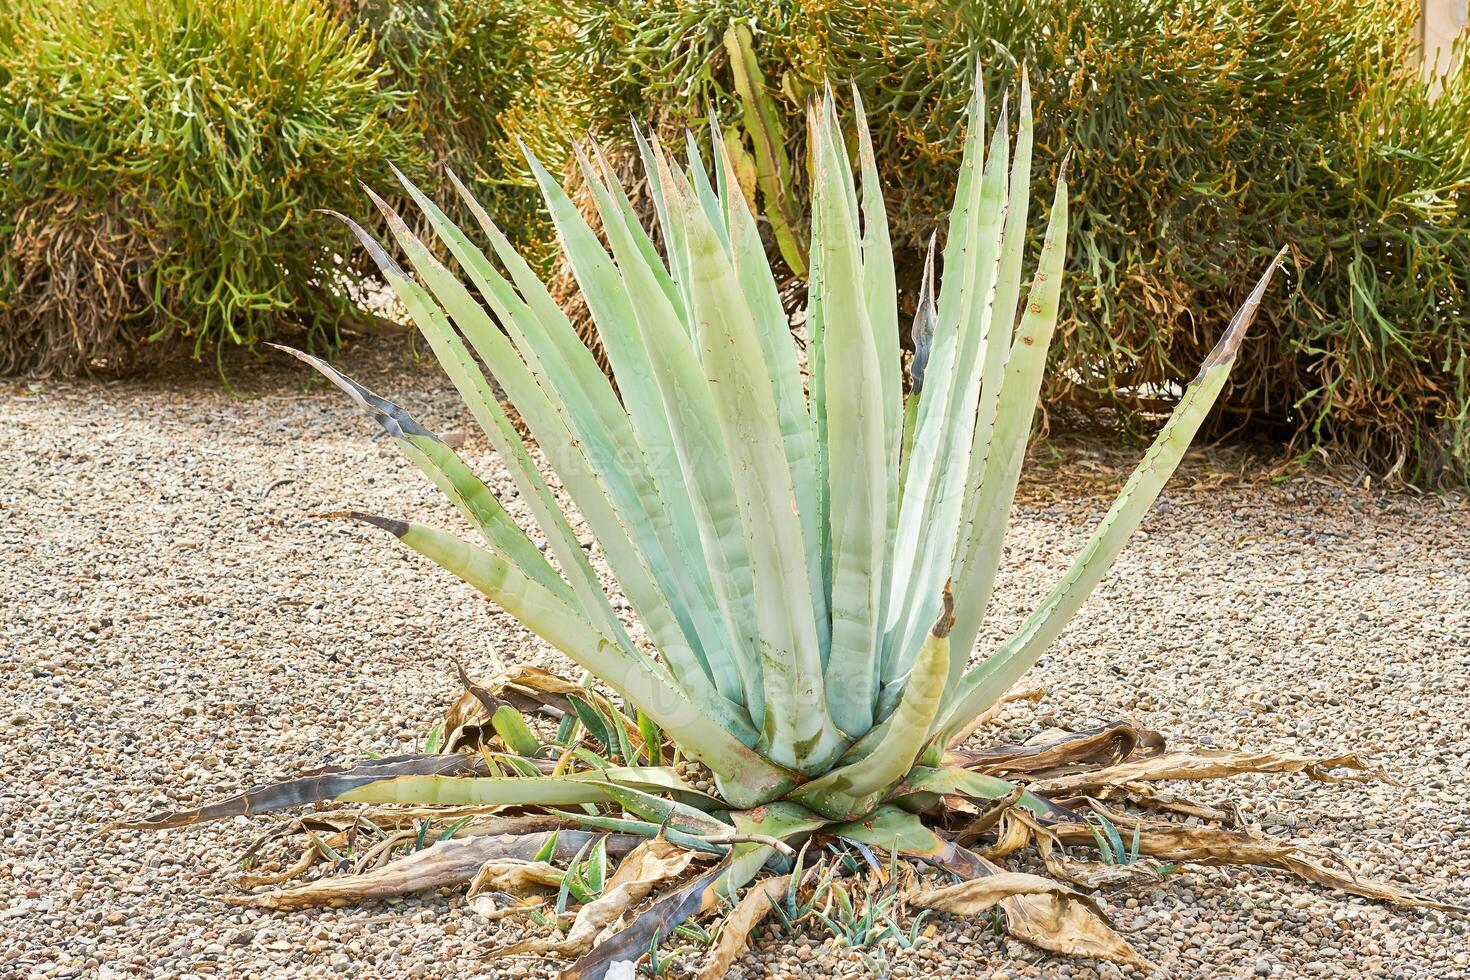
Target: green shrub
1206,134
160,162
465,67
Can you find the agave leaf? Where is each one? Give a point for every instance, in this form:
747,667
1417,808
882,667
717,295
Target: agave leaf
310,787
953,781
631,221
996,470
602,491
858,491
593,721
937,372
634,787
982,685
798,730
816,346
663,781
784,821
652,740
468,791
614,312
478,395
580,394
677,255
748,255
979,355
703,192
893,829
1013,240
751,776
699,452
644,828
922,334
662,810
853,788
880,296
450,474
511,726
831,120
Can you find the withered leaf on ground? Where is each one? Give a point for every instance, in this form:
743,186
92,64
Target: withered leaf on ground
1045,913
985,819
1204,765
514,876
1014,834
1215,846
1093,874
1155,797
648,927
508,886
647,866
1110,744
450,862
738,925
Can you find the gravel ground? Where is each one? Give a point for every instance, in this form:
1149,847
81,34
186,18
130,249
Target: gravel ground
174,625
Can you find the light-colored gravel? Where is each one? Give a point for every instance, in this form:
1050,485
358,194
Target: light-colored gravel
169,631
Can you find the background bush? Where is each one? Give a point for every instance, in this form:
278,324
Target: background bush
1206,134
466,67
159,161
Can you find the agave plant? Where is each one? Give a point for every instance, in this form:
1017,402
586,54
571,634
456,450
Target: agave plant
809,555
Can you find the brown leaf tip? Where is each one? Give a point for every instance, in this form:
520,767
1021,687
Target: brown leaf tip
945,623
394,527
1229,344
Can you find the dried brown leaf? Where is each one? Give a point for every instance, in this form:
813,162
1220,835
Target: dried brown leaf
650,864
1156,798
987,818
1015,833
1215,846
450,862
739,924
1045,913
648,927
515,877
1093,874
1106,745
1204,765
